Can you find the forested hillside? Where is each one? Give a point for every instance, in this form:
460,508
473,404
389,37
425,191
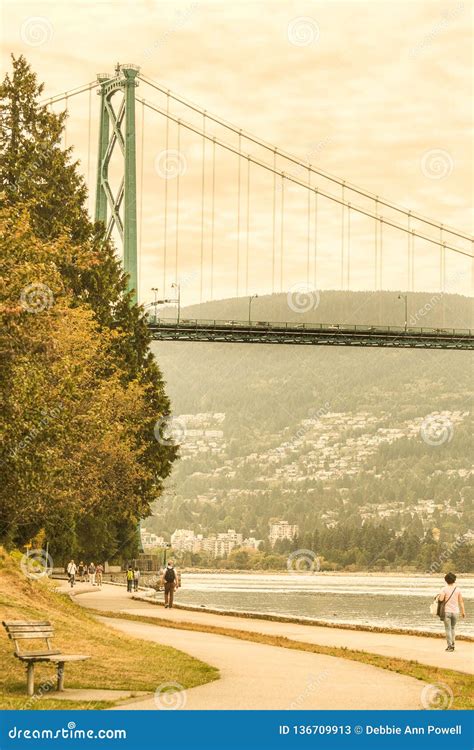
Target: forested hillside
323,437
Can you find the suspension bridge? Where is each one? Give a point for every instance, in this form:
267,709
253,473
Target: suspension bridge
228,214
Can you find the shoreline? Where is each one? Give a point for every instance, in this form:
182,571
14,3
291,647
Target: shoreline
319,573
275,617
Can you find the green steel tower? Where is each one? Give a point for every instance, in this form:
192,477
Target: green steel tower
117,126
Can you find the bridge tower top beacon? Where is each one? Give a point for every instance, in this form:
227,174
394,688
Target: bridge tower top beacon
117,131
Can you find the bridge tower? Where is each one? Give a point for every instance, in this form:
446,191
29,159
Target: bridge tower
117,128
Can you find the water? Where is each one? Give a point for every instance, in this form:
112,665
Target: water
386,601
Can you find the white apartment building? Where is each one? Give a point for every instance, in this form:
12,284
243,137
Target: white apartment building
150,540
182,540
282,530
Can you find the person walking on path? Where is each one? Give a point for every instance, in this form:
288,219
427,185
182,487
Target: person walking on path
91,571
129,579
170,580
136,578
81,570
98,574
71,571
452,603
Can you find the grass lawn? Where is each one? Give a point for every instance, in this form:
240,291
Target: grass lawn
461,684
118,661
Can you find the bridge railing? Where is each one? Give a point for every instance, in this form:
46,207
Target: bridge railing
292,326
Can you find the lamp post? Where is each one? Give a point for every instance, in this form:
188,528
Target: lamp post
405,298
254,296
177,286
154,289
157,301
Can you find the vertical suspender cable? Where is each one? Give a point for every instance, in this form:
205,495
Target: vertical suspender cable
316,238
413,260
65,122
238,216
441,259
342,234
140,226
165,223
89,146
376,261
274,220
308,229
248,230
177,206
282,228
408,252
348,245
203,185
472,267
212,212
381,255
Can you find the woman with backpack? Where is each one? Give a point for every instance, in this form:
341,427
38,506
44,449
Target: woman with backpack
450,603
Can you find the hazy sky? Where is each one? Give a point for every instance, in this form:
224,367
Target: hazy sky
377,93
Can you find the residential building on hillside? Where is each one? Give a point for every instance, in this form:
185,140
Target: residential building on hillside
182,540
282,530
150,540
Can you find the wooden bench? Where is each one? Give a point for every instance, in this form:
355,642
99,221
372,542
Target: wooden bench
19,631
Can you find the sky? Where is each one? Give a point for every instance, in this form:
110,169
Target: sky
376,93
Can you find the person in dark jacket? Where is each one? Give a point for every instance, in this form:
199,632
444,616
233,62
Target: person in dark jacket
170,580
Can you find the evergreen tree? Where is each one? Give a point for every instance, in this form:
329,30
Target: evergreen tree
70,259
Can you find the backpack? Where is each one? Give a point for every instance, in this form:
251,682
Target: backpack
170,575
441,608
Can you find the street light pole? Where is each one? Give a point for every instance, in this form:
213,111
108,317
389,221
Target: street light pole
177,286
254,296
154,289
405,298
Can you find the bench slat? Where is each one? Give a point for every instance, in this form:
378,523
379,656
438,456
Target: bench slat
53,657
31,635
25,623
31,626
37,654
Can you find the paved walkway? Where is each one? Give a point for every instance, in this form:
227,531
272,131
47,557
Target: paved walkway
423,649
257,676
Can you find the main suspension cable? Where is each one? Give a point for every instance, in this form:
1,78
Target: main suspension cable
296,181
298,162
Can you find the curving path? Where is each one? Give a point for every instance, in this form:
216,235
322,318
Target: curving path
259,676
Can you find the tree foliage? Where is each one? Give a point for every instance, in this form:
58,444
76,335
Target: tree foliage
81,391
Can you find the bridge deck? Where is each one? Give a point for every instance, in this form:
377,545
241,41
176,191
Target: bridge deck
262,332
